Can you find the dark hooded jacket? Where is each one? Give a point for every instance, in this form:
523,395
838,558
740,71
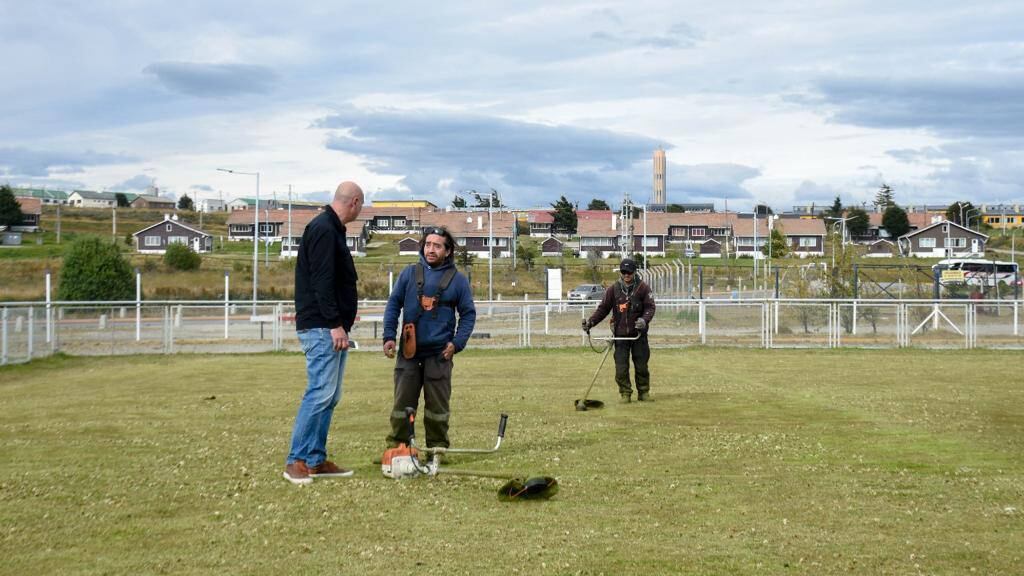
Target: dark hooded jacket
627,304
436,328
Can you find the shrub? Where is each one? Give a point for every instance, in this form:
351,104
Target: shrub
95,270
181,257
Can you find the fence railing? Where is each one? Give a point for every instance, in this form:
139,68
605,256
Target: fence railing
35,329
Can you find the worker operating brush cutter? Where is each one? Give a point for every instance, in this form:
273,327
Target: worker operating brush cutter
631,305
404,462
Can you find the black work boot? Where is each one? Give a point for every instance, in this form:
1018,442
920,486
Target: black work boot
644,397
625,398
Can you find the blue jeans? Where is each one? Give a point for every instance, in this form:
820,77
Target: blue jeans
324,370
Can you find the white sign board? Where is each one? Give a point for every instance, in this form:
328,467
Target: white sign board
554,283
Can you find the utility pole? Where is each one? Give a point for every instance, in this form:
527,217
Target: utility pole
626,234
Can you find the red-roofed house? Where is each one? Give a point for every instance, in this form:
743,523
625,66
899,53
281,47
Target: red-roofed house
804,236
32,211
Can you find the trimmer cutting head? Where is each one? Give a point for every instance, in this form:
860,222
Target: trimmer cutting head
536,488
585,404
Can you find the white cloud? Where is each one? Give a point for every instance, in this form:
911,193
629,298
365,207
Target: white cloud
552,98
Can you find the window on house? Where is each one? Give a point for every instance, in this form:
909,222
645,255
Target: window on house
153,240
926,242
399,222
593,242
177,240
460,241
169,228
652,241
955,242
698,232
745,241
808,242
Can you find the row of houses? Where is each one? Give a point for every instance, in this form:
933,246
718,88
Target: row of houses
152,200
706,235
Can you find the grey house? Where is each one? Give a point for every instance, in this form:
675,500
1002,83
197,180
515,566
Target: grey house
710,248
880,248
156,238
408,246
942,240
551,247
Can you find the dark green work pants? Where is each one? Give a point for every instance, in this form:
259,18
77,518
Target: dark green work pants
432,375
640,350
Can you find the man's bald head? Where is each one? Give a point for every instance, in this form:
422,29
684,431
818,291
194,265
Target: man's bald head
348,201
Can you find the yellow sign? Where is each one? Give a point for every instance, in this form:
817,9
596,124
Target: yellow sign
952,276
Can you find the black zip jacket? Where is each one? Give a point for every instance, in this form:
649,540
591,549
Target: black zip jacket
325,276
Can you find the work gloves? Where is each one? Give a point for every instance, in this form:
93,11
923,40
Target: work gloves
641,324
586,326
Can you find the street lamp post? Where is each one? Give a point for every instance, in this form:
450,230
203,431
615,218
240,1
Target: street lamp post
490,238
978,215
255,234
842,238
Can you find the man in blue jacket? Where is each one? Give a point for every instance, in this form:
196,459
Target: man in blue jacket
325,309
428,294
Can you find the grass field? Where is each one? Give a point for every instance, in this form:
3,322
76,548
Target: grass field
777,462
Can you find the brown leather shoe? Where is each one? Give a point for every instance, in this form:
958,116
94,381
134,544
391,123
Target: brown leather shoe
328,469
297,473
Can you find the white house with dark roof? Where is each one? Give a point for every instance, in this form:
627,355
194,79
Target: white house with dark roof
90,199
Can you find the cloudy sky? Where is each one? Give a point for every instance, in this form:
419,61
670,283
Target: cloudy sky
778,102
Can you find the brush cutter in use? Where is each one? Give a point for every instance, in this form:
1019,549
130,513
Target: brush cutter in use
404,462
584,404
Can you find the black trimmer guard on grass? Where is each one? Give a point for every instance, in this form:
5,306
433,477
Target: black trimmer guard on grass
536,488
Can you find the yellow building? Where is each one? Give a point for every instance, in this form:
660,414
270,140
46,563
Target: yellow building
1003,216
404,204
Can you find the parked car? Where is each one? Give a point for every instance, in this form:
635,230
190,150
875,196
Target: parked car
690,253
587,292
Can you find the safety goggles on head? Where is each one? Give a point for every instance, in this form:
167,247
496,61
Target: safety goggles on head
433,230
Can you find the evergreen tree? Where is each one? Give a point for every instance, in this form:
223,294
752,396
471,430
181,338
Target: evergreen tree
674,209
836,211
185,203
10,208
122,200
884,197
527,252
458,202
858,222
895,221
777,241
95,270
958,209
598,204
565,216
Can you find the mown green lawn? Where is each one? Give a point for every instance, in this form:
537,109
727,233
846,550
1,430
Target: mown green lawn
766,462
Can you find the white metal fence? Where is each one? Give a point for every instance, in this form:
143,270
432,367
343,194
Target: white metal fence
34,329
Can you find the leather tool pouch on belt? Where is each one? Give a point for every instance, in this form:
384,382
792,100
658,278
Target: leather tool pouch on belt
408,344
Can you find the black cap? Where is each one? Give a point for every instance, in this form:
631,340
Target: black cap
627,266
